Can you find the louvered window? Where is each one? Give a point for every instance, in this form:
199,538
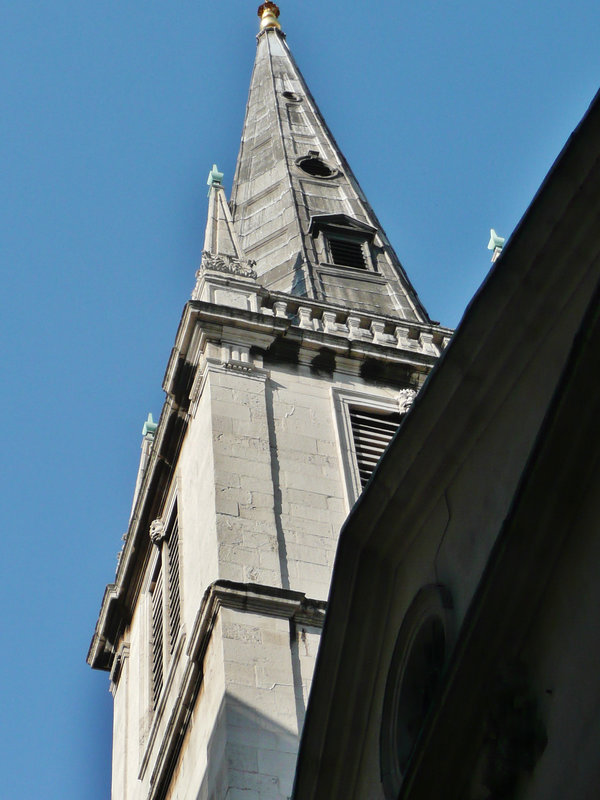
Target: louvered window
347,253
157,635
174,601
372,431
165,606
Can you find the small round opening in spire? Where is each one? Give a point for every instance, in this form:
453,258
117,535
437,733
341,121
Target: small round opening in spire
269,14
315,166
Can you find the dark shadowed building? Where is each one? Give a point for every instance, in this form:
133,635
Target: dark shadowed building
460,653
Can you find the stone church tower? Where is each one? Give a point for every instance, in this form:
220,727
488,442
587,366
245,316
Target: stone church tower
301,348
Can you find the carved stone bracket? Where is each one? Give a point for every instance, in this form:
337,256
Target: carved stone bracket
157,531
228,264
406,398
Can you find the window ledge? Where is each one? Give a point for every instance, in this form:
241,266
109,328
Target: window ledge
364,273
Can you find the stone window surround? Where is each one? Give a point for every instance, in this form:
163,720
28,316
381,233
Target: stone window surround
150,713
432,602
350,237
342,227
343,398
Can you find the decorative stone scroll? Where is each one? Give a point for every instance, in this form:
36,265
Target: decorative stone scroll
228,264
157,531
406,398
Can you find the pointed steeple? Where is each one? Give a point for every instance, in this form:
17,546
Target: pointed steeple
297,208
223,259
220,237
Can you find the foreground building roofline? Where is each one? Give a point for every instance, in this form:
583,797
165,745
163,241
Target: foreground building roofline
495,342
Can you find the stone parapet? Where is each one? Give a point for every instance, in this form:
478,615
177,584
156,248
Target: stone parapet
230,282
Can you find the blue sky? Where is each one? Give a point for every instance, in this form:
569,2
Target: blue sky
450,115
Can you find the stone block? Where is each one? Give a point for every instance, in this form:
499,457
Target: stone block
260,539
256,574
242,757
336,505
231,572
276,638
241,794
220,392
246,427
307,512
314,540
228,508
330,448
309,481
234,410
239,778
306,498
236,554
299,385
293,525
237,463
276,671
252,449
268,788
313,573
242,633
295,441
269,559
256,499
227,480
256,483
277,763
239,673
262,514
309,555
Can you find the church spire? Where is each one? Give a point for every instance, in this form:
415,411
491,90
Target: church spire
296,206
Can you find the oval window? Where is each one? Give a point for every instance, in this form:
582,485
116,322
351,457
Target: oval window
315,166
413,681
419,683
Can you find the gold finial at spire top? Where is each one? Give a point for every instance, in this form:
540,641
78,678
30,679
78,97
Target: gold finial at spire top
268,14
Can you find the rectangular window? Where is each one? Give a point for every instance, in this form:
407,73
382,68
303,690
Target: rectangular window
172,546
372,431
366,422
347,252
156,590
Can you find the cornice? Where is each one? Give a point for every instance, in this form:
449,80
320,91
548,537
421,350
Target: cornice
255,598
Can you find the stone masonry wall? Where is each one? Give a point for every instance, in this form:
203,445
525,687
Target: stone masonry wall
260,494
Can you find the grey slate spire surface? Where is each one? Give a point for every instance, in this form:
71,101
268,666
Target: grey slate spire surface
296,206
